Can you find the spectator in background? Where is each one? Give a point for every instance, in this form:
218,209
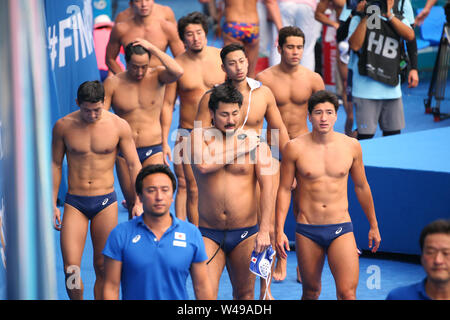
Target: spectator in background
435,259
378,97
300,13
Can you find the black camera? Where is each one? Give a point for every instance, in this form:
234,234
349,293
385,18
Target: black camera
382,4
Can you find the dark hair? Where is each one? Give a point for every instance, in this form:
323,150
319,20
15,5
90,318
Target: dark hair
224,92
230,48
437,226
131,49
151,169
91,91
322,96
192,18
289,31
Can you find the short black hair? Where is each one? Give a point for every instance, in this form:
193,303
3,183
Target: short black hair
192,18
289,31
90,91
224,92
323,96
437,226
151,169
230,48
131,49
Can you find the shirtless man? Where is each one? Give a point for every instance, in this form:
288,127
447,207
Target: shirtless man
259,103
202,71
235,161
153,28
292,84
158,11
136,95
321,162
90,138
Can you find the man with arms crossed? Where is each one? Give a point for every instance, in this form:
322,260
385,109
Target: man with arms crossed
90,138
153,28
292,84
201,64
321,161
226,181
137,95
151,256
259,104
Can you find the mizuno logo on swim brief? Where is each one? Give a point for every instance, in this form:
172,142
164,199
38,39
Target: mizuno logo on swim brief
339,230
148,153
105,201
136,239
244,234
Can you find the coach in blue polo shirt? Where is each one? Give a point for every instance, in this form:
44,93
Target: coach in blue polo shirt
152,255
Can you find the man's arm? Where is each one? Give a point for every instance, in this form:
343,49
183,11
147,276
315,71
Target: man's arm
166,119
287,174
108,85
322,17
403,29
200,281
364,195
274,120
175,44
58,152
210,157
203,114
274,14
113,49
128,150
113,271
172,69
264,174
420,18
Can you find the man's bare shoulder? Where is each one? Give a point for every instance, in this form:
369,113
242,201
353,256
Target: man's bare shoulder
267,75
295,146
121,28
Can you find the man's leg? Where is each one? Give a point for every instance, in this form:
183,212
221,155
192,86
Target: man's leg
73,238
344,265
242,279
216,263
101,226
192,195
252,51
310,259
178,159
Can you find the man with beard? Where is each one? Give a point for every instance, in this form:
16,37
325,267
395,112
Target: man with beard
227,163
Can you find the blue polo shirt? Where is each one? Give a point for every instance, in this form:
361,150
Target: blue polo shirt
415,291
152,269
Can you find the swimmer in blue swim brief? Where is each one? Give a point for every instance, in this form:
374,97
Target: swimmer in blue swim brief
324,234
90,206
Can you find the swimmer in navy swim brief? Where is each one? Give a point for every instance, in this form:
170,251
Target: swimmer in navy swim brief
146,152
90,206
228,239
324,234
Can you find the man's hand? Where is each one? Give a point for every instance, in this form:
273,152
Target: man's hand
57,218
374,237
282,245
262,241
413,78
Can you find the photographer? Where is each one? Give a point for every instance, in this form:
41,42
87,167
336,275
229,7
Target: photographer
376,37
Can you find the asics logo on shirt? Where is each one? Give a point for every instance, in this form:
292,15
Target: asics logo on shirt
136,239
